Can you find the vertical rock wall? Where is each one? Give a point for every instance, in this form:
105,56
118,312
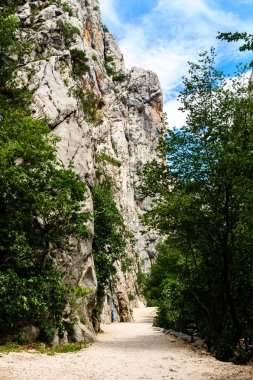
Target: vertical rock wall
128,118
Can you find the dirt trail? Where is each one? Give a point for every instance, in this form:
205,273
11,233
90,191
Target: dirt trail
133,351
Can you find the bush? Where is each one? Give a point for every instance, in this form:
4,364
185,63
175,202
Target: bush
108,62
110,235
79,62
68,32
40,209
106,158
109,59
119,77
31,297
8,47
110,71
67,8
89,102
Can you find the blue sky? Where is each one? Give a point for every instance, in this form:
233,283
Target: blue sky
163,35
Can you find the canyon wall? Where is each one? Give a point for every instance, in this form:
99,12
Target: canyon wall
108,118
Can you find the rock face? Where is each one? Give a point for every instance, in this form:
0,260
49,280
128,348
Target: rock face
100,110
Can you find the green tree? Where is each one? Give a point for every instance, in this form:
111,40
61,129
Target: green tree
110,239
247,39
12,48
40,209
8,47
40,204
204,203
10,6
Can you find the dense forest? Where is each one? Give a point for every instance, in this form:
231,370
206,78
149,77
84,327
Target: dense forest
203,195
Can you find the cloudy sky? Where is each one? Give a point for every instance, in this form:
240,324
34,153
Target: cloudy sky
163,35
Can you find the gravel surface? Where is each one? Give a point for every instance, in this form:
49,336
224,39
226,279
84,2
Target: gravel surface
133,351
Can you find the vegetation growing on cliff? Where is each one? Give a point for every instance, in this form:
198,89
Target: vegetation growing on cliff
204,268
110,239
8,47
40,208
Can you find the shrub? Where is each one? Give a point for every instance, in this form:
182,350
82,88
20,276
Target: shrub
109,58
119,77
79,62
113,161
8,48
40,209
89,102
67,8
31,297
109,70
110,234
68,32
105,29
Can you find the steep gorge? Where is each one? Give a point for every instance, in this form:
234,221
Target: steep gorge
108,119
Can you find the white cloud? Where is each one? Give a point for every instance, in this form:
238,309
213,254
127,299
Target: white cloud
168,63
108,11
176,118
170,35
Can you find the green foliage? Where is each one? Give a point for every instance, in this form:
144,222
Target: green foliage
204,208
141,281
30,297
110,235
48,329
110,71
62,349
79,62
109,244
89,102
234,37
68,32
39,199
105,29
67,8
131,297
119,77
10,6
106,158
8,47
109,65
165,286
109,59
40,209
40,205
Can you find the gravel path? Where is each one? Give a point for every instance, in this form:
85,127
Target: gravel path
133,351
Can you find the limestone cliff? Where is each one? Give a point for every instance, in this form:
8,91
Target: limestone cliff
105,115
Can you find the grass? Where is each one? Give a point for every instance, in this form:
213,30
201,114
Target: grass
42,348
109,159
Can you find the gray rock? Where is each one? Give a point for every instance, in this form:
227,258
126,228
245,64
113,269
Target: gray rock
129,117
30,334
83,334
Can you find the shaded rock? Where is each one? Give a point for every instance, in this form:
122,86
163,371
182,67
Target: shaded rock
30,334
83,334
